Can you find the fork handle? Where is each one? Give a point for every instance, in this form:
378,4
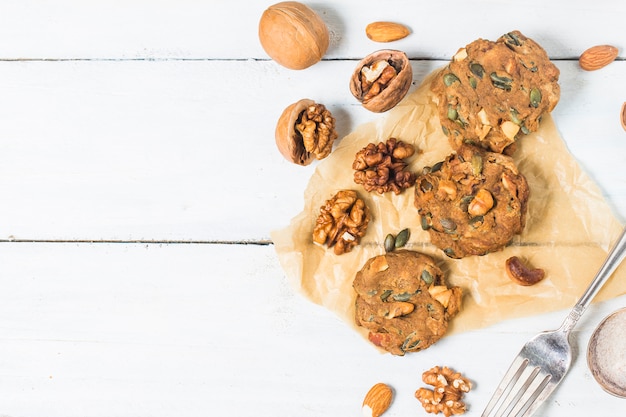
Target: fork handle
612,261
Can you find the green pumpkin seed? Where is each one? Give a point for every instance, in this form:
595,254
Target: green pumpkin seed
449,252
390,242
515,116
425,223
437,166
410,342
512,39
402,238
385,295
477,70
452,113
449,226
405,296
535,97
501,82
450,79
465,202
477,164
473,82
476,222
426,186
524,130
427,277
445,130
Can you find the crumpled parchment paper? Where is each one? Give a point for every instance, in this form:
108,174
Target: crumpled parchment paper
569,228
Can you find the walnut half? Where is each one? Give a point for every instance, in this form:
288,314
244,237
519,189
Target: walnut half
447,392
342,222
381,167
305,131
381,80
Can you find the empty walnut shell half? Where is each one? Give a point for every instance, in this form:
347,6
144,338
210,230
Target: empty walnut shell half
305,131
380,98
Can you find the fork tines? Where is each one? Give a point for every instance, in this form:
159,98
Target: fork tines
519,390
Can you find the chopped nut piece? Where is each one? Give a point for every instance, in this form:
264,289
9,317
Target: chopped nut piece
448,389
381,167
342,222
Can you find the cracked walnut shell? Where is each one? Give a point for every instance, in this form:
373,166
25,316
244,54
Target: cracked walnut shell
342,222
305,131
381,80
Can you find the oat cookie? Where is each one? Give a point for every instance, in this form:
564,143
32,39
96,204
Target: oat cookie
473,202
493,93
403,300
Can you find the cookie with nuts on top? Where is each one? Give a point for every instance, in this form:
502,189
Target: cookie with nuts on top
472,203
493,93
403,301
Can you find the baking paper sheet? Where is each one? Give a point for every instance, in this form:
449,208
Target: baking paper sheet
569,228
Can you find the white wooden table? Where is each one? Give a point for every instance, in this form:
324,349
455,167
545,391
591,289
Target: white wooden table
140,183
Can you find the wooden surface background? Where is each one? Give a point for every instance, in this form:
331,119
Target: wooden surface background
140,183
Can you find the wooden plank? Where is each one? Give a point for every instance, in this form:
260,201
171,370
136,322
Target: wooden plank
190,29
188,329
166,150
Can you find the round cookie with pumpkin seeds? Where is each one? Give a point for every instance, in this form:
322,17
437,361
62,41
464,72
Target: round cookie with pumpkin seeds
472,203
493,93
403,301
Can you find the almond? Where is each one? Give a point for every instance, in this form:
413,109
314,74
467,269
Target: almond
386,31
597,57
622,116
377,400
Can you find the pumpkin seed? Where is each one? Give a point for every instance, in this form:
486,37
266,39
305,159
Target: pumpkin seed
426,186
465,202
385,295
427,277
532,67
477,70
449,252
410,342
452,113
425,222
477,164
437,166
445,130
390,242
405,296
450,79
501,82
449,226
476,222
515,116
402,238
524,130
535,97
512,39
473,82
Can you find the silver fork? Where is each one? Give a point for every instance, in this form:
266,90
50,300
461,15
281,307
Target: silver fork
545,359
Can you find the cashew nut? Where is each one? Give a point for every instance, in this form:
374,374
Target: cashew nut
521,274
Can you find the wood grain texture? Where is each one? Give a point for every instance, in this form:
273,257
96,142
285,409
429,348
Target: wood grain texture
140,183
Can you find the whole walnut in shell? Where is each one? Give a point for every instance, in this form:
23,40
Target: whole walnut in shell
293,35
381,80
305,131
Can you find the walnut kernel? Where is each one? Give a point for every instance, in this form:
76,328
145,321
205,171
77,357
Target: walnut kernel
305,131
342,222
381,167
381,80
447,392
